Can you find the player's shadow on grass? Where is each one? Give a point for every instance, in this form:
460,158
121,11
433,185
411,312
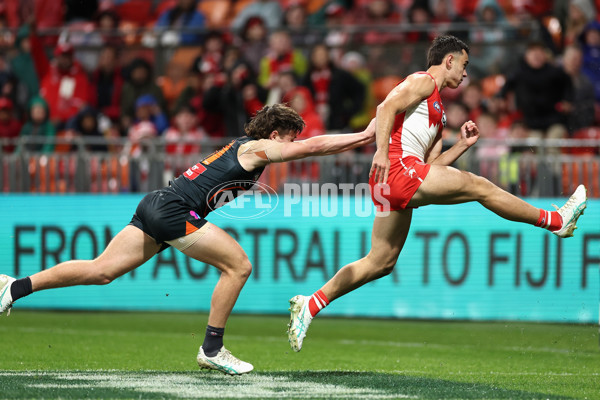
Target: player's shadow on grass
413,386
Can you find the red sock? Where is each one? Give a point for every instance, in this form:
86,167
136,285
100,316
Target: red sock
317,302
550,220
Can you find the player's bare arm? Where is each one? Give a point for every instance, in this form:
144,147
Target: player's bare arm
409,93
469,134
283,148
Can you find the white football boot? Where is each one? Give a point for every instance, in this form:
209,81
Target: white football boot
300,319
223,361
571,211
5,296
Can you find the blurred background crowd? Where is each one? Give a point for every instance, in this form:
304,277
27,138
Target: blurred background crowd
194,71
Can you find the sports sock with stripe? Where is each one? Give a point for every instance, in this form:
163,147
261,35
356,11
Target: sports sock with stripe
317,302
550,220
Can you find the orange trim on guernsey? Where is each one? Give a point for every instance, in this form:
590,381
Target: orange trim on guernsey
189,228
217,154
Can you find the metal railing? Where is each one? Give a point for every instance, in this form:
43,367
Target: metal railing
529,167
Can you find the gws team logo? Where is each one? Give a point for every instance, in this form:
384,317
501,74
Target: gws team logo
244,199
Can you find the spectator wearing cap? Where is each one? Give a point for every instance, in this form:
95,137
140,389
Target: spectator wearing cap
147,109
269,10
63,82
149,123
9,125
185,17
38,132
139,81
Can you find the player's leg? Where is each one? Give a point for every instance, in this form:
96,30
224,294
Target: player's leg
387,239
214,246
447,185
129,249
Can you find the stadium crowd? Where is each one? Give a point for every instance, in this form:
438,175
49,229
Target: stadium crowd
193,69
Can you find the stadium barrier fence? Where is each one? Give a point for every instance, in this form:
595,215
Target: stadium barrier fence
525,167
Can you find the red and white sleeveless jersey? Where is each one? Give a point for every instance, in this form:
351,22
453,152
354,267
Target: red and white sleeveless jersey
416,128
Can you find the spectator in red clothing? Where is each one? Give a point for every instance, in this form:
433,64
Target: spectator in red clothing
64,83
420,16
378,13
107,80
9,125
338,94
183,141
472,97
300,99
184,136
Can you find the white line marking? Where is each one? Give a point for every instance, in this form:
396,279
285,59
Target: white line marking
204,386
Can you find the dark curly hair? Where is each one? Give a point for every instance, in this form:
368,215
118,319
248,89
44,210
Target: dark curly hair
277,117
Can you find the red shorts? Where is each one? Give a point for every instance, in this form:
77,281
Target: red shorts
405,177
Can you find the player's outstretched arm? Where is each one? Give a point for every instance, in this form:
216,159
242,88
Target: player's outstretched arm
326,144
469,134
268,151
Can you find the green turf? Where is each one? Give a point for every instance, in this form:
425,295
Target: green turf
152,355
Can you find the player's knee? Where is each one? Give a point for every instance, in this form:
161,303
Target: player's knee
240,267
483,186
387,267
477,186
384,266
245,268
101,277
99,274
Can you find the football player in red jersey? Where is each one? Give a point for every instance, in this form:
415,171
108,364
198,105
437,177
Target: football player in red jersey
409,170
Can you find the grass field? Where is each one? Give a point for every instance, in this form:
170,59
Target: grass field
69,355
